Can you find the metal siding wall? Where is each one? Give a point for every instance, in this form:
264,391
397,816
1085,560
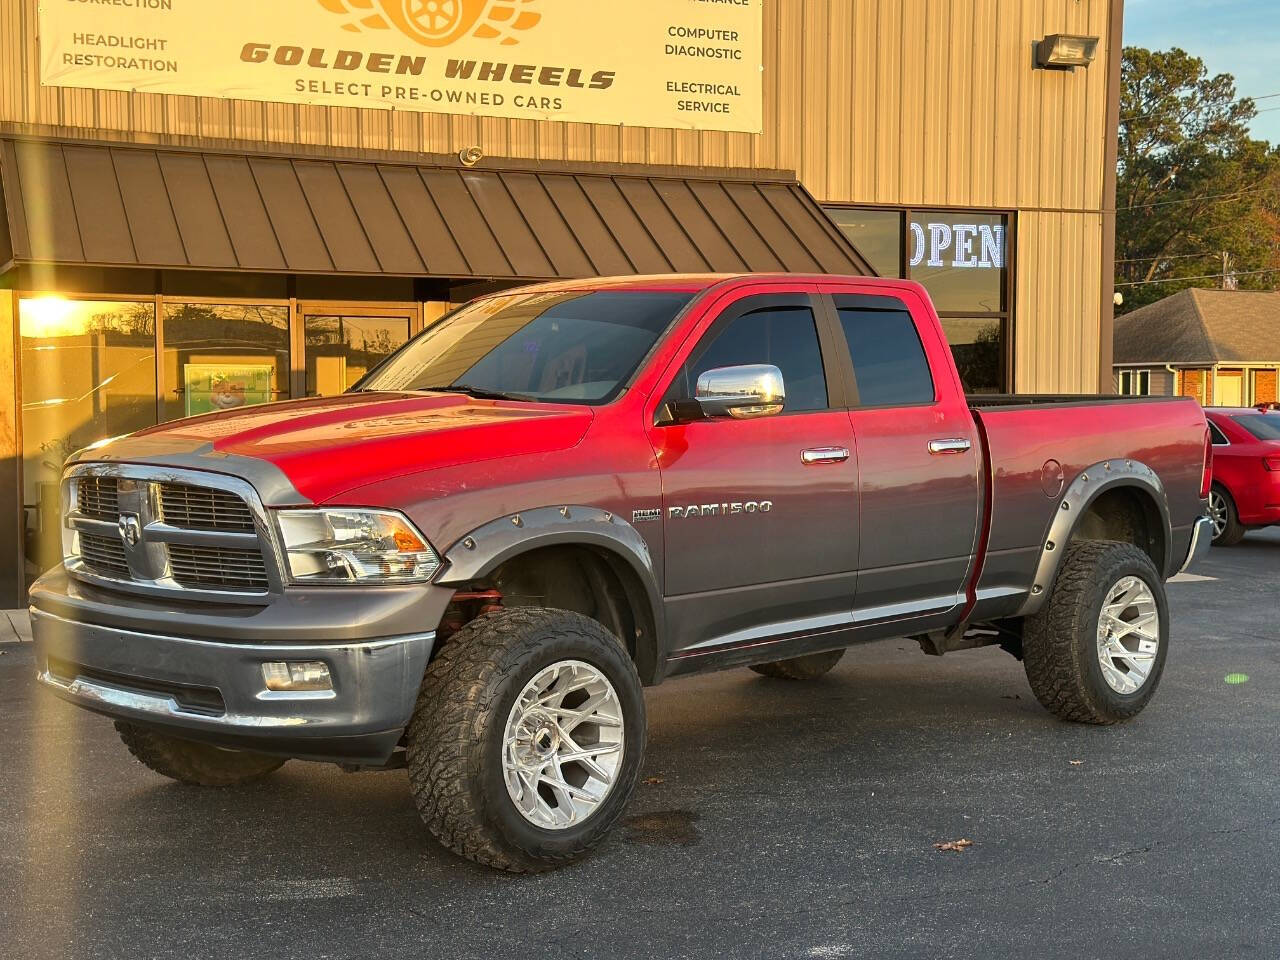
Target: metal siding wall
920,102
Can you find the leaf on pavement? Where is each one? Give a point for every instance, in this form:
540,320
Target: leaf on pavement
957,846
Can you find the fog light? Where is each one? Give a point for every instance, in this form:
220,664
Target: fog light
297,675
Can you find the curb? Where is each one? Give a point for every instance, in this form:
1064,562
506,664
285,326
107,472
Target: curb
15,627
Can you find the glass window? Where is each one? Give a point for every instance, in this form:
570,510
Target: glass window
977,344
1218,438
786,337
219,356
1135,383
876,233
342,349
1264,426
88,373
960,257
889,364
571,347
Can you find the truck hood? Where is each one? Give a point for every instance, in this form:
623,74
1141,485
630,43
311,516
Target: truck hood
327,445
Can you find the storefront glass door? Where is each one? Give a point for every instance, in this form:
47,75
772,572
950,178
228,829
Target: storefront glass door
341,347
220,356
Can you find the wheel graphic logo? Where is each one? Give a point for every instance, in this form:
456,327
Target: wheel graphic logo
436,20
438,23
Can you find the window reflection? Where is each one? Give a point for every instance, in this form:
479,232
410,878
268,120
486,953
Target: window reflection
220,356
977,343
342,349
88,372
876,233
960,258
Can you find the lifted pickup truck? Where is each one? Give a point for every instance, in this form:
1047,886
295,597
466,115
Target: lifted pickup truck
471,563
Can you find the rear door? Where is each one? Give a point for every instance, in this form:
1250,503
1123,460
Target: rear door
919,457
760,516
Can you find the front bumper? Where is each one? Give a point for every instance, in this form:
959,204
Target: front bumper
1201,539
211,690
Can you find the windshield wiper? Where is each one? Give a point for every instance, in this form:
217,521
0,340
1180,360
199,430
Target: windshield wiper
480,393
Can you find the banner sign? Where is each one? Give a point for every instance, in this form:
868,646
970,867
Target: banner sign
693,64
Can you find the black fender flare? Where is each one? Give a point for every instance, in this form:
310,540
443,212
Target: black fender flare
487,547
1090,484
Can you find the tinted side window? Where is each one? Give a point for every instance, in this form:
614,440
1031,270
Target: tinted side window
1264,426
1219,440
888,358
786,337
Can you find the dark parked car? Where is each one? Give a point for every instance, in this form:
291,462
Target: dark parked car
1246,470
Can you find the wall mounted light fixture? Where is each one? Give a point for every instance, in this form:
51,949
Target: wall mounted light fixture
1065,51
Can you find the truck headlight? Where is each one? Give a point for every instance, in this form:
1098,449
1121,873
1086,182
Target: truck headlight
354,546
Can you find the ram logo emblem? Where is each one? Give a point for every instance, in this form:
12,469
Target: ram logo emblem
130,528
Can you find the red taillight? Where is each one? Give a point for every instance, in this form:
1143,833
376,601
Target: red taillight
1206,476
1272,463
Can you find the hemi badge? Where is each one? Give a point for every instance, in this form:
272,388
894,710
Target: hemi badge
653,513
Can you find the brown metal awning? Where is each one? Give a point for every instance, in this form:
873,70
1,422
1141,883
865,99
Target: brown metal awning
168,208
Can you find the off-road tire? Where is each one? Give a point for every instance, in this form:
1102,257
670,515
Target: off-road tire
197,764
1060,642
1234,531
809,667
455,738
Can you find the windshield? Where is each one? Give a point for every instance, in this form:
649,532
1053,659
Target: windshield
1262,425
575,347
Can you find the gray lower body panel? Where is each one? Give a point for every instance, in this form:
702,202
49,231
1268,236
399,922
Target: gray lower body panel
211,690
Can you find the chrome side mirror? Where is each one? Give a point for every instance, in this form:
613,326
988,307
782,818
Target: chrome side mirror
744,393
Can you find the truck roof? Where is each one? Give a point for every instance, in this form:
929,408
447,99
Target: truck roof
690,281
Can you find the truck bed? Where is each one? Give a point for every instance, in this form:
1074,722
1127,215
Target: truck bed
981,401
1037,445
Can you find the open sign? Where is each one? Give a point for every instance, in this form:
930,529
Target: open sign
967,245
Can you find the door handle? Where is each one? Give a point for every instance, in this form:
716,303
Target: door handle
824,455
950,445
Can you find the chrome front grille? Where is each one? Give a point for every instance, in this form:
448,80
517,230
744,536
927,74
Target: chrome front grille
155,530
217,568
100,498
104,555
203,508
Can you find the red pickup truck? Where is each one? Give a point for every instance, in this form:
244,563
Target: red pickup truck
471,563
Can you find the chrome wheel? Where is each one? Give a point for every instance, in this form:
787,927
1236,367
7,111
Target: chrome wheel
1218,513
1128,635
563,745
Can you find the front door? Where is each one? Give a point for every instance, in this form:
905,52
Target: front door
1229,389
760,516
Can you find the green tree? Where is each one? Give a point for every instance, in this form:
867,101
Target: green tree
1191,183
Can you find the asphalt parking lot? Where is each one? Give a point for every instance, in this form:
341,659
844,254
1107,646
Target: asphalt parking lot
778,820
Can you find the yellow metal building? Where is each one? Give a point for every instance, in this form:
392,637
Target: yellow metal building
167,253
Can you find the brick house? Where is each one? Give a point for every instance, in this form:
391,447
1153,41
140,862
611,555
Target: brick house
1220,346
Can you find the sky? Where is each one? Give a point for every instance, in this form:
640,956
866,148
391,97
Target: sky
1239,37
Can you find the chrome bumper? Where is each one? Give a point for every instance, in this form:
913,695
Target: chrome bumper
215,691
1201,540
